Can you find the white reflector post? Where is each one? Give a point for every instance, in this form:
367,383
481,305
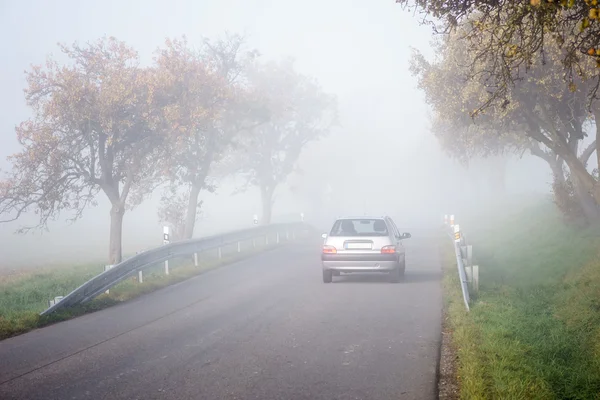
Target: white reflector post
166,240
457,233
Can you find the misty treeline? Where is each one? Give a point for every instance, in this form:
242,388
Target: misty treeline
104,123
519,77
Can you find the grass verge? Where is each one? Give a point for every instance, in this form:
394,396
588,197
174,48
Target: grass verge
22,298
534,328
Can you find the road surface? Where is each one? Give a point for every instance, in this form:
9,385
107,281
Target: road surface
263,328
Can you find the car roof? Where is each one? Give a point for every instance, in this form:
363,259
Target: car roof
363,217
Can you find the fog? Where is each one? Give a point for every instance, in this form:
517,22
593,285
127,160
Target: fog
382,159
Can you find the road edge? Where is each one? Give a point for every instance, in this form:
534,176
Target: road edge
447,369
103,302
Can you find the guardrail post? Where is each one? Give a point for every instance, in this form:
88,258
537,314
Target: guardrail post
220,255
470,255
195,259
469,273
239,247
55,300
106,268
166,267
253,243
140,276
476,278
277,238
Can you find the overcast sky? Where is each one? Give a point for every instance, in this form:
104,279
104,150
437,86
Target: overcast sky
358,50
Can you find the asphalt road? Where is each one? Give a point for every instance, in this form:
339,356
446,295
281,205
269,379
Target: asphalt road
264,328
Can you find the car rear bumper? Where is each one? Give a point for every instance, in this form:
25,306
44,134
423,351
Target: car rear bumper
358,263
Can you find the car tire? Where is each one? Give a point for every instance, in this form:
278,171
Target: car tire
327,276
402,266
396,275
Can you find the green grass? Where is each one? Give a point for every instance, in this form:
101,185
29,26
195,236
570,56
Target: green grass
534,328
23,297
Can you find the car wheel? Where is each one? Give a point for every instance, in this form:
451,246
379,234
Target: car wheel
396,275
403,266
327,276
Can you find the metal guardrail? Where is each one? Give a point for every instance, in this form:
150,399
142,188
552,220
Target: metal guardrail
462,275
107,279
468,273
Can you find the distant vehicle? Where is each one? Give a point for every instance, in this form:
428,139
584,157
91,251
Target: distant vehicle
364,244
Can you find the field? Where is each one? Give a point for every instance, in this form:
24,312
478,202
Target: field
534,328
23,296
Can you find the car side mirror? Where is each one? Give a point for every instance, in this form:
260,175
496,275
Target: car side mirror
324,236
405,235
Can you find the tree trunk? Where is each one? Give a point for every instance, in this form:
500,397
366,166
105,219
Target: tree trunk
115,252
557,170
586,201
596,113
192,209
266,195
588,182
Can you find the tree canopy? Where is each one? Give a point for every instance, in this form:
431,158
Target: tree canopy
512,35
300,112
103,123
95,127
541,112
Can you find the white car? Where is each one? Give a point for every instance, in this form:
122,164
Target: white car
364,244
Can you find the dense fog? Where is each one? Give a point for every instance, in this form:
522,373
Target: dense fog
380,159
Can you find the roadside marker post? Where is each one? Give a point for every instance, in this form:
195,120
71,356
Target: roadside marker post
456,233
255,219
445,219
452,220
166,241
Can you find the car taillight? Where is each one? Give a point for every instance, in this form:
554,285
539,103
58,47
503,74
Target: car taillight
329,249
388,249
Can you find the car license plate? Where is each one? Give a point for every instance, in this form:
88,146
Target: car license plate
359,246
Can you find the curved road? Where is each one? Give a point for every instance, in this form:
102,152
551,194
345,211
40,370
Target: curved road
264,328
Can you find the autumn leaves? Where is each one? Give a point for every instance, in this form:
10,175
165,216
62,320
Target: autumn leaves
105,122
520,76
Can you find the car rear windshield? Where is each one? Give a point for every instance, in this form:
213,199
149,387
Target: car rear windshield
359,227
